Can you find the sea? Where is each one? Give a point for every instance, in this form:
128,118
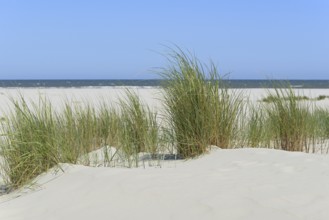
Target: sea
235,83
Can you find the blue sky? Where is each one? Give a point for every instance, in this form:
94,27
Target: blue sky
85,39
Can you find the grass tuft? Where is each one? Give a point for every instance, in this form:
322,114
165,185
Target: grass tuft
139,130
198,105
29,146
289,120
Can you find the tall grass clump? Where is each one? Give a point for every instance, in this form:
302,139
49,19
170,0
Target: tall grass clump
108,121
197,105
322,120
320,128
82,129
290,120
139,131
35,137
29,146
257,129
78,132
227,112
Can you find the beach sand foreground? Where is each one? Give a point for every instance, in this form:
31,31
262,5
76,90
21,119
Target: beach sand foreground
241,184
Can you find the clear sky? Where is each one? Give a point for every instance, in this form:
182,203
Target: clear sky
105,39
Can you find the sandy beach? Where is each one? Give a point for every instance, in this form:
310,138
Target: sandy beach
235,184
164,110
150,95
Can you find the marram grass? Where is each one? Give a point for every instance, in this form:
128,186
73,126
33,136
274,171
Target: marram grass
198,106
29,147
139,131
36,138
290,121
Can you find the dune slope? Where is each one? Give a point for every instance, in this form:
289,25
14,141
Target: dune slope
224,184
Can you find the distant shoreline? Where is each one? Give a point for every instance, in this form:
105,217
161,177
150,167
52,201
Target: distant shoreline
232,83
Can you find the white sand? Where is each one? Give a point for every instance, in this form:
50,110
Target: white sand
226,184
78,96
244,184
150,95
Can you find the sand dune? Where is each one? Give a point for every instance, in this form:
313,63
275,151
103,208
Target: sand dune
225,184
